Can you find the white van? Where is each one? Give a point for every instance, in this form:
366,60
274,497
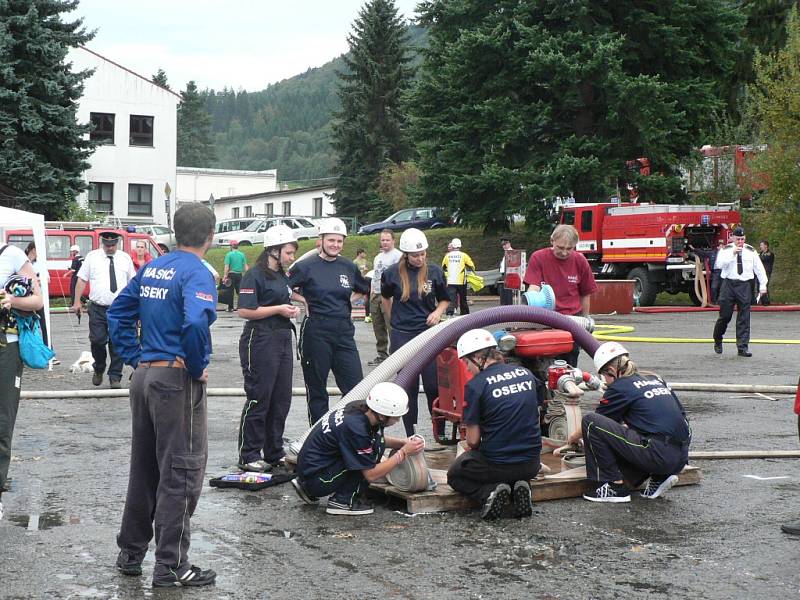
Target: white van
229,225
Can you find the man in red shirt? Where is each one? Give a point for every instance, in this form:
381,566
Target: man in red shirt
567,272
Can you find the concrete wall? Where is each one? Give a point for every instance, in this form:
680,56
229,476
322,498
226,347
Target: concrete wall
301,203
196,184
116,90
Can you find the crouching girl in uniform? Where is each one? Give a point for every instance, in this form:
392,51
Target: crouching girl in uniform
343,452
502,419
639,432
265,351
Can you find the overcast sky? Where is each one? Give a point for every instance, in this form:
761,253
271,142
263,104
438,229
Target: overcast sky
244,44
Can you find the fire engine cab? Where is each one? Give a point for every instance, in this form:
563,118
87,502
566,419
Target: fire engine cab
653,244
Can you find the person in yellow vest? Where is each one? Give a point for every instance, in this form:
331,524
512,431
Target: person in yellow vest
455,264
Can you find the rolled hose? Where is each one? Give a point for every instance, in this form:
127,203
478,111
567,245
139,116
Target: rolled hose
411,358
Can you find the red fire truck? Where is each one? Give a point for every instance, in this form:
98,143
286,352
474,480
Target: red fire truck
649,243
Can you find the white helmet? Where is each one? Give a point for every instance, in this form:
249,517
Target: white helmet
332,225
413,240
606,353
456,243
474,340
388,399
278,235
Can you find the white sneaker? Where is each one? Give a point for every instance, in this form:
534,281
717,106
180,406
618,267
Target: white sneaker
655,487
1,511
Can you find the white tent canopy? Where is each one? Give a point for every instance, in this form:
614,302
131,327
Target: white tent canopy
11,218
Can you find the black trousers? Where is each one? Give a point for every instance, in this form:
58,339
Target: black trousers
99,340
10,383
169,449
716,282
236,282
328,344
266,357
506,295
473,475
738,293
430,382
460,292
337,481
615,452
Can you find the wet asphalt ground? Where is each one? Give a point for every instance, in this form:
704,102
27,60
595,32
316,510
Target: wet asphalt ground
719,539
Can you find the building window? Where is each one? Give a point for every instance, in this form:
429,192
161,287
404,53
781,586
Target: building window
140,199
268,209
287,207
248,211
141,131
102,128
235,212
318,206
101,197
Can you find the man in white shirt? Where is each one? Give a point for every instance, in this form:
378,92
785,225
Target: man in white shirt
388,256
107,271
738,262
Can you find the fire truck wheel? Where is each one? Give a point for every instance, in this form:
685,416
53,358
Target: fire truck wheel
693,297
644,290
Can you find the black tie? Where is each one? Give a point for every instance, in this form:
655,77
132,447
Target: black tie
739,267
112,274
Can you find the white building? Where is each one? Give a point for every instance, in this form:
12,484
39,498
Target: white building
197,184
308,202
136,122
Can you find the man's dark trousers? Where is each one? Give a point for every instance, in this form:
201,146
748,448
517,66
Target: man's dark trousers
98,338
328,344
739,293
342,485
473,475
169,449
236,282
266,357
615,452
10,382
458,292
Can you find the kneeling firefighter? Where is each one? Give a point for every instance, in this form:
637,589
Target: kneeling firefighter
503,433
265,352
653,443
343,452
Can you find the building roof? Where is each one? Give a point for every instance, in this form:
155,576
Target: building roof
205,171
147,79
271,194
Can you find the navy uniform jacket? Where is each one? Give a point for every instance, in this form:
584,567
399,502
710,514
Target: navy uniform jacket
258,289
175,299
345,437
647,405
411,315
503,402
327,285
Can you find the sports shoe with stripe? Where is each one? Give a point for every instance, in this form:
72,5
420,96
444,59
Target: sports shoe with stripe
193,577
128,565
609,492
496,503
356,507
523,504
255,466
657,486
303,494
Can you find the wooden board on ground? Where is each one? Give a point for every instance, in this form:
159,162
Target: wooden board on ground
555,486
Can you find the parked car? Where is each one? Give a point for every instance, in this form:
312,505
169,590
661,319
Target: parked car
254,233
229,225
421,218
86,237
163,236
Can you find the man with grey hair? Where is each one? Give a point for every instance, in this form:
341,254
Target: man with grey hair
567,272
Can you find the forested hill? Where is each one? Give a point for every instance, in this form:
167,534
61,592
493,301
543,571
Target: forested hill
286,126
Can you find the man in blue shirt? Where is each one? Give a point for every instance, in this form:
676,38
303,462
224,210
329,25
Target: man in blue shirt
174,299
503,433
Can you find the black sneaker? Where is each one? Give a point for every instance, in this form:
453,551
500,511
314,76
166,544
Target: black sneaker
657,486
97,378
115,384
127,565
609,492
304,495
792,528
356,507
193,577
718,347
255,466
497,501
523,504
376,361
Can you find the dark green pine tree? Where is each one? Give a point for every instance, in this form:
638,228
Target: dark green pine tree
370,129
523,100
42,148
160,78
195,145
